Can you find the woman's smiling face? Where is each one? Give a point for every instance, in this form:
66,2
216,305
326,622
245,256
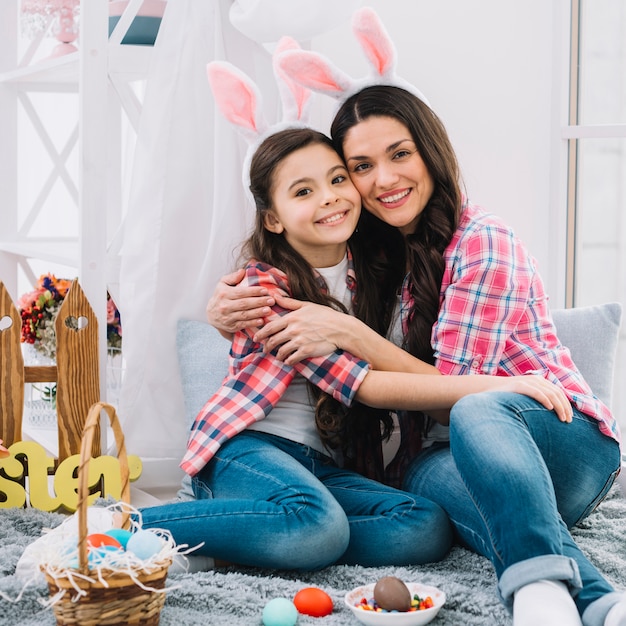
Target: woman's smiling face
388,171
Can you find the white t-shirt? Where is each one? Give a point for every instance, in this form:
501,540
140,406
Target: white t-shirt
293,417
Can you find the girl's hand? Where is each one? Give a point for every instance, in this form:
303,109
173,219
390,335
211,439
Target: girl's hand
233,307
307,331
551,396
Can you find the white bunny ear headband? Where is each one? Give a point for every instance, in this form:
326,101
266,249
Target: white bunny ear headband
240,101
318,73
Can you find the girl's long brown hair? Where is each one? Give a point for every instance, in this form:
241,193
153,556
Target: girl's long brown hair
338,426
380,250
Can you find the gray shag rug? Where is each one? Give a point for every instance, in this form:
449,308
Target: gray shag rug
236,596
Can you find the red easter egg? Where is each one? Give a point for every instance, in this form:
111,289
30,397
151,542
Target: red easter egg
313,601
97,540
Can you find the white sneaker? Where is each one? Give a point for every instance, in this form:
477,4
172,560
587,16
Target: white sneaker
545,603
617,615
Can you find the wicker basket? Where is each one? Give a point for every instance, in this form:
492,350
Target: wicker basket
116,600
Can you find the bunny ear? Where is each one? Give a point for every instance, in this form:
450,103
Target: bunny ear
314,71
380,51
318,73
295,98
375,41
237,97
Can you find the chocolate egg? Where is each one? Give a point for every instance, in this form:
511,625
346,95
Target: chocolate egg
392,594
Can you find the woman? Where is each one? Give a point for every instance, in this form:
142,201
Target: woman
455,288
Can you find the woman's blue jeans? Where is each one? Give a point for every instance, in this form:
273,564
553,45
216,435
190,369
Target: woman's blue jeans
269,502
512,480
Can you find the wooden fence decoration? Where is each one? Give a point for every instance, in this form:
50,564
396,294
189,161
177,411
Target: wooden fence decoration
76,373
12,373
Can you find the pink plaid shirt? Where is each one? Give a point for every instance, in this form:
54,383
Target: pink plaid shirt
257,380
494,316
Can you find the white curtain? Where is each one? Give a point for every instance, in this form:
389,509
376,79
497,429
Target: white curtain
186,212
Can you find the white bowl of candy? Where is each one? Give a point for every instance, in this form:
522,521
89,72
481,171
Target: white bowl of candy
391,602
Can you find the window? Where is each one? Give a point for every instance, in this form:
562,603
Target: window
596,267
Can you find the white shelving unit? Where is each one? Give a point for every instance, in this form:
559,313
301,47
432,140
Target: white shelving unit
100,74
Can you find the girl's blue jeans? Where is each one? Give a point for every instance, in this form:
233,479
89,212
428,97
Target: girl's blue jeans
269,502
513,480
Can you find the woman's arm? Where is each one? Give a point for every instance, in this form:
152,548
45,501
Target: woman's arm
309,329
314,330
485,296
233,307
418,392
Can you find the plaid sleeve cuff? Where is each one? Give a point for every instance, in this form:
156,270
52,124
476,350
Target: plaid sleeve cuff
339,374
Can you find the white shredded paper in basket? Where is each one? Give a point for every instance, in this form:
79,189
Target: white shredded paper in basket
58,559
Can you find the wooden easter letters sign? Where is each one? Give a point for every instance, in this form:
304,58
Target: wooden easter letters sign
29,462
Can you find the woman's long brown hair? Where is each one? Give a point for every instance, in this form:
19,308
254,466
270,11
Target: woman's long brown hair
380,250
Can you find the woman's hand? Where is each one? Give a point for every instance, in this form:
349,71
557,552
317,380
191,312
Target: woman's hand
550,395
233,307
309,330
306,331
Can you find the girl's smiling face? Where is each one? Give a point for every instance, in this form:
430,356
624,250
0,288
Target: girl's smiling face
388,171
314,204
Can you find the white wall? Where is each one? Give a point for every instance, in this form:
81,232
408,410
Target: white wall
486,67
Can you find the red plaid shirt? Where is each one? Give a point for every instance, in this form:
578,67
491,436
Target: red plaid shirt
494,319
257,380
494,316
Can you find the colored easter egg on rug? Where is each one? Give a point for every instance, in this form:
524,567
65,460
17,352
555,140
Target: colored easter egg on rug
144,544
313,601
97,540
122,535
280,612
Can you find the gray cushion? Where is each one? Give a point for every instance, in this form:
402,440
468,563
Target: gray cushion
591,333
203,363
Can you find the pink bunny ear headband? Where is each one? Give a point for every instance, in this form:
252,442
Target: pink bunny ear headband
239,100
318,73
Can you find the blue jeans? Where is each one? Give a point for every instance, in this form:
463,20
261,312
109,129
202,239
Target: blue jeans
269,502
512,480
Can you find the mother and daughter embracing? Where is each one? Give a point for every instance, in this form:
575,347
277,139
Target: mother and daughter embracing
376,298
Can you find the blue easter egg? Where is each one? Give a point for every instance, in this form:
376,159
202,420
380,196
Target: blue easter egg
144,544
99,554
280,612
120,534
